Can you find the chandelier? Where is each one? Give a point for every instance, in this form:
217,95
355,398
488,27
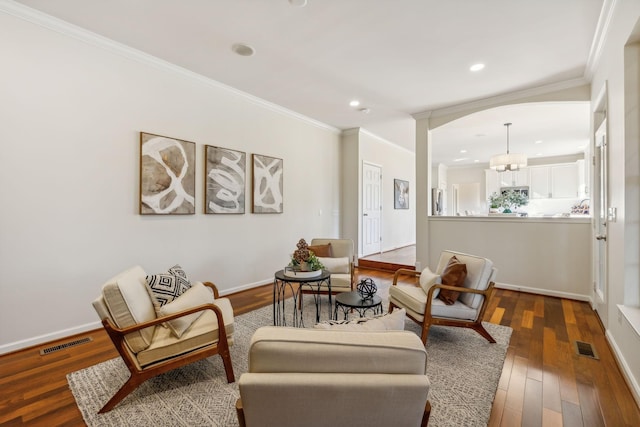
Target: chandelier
509,161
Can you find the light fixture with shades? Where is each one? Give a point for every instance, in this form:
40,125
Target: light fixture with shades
509,161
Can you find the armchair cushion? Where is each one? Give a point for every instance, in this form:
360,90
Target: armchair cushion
428,278
336,265
128,303
453,275
322,250
197,295
203,331
166,287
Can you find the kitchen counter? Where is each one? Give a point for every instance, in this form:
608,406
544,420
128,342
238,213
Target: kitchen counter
573,219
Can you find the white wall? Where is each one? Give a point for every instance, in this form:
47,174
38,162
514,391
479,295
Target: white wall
545,256
71,116
398,225
471,178
623,235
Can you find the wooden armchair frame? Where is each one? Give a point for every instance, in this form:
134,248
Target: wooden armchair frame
140,375
429,320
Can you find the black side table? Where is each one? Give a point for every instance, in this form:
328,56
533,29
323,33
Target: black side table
348,301
280,284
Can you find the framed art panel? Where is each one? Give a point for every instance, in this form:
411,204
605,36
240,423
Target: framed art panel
167,175
400,194
225,179
267,184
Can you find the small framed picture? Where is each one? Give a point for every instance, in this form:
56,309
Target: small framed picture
400,194
167,175
225,172
267,184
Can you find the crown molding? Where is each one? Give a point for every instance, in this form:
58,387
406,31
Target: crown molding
600,37
357,131
36,17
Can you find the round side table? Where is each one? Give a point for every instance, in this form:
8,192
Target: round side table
348,301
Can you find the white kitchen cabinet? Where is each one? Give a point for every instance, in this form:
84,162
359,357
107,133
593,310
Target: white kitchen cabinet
553,181
564,181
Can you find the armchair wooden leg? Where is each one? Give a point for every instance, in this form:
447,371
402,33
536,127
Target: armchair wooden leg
425,332
228,367
132,383
426,414
240,412
482,331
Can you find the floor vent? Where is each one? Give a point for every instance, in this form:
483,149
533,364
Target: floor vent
586,349
49,350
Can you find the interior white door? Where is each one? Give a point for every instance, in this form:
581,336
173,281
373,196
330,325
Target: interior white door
371,208
601,205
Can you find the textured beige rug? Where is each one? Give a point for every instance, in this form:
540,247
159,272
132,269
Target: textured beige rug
464,370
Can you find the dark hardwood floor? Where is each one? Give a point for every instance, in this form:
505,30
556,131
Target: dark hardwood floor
544,382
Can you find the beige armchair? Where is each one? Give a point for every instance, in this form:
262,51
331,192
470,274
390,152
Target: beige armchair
426,309
316,378
149,349
340,264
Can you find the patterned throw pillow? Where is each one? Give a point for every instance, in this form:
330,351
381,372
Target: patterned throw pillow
166,287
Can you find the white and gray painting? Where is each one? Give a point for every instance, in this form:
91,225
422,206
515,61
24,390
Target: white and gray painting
225,180
167,175
267,184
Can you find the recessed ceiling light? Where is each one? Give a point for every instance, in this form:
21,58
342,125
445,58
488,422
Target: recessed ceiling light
476,67
476,161
243,49
539,141
538,154
463,151
298,3
354,103
460,159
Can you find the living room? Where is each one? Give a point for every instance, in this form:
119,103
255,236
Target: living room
76,103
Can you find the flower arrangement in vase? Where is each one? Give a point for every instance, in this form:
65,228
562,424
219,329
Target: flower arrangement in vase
509,201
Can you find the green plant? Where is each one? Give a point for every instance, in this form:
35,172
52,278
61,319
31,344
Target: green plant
509,200
303,255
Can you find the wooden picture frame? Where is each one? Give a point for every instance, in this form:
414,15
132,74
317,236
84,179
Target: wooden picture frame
225,180
167,175
267,184
400,194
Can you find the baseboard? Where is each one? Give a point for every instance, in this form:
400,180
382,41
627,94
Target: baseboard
41,339
547,292
626,371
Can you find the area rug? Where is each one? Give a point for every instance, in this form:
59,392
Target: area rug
463,368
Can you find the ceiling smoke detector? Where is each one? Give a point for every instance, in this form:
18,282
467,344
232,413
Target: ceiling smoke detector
243,49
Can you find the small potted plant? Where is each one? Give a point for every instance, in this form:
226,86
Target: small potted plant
304,260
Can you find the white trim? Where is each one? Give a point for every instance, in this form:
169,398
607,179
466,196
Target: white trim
547,292
36,17
65,333
502,99
245,287
41,339
357,131
600,37
624,367
632,314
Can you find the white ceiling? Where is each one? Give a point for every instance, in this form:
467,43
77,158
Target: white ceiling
398,57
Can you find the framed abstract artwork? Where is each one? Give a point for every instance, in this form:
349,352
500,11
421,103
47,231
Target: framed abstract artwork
267,184
167,175
225,172
400,194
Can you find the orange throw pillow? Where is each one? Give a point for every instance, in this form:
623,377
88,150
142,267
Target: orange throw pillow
323,251
453,275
